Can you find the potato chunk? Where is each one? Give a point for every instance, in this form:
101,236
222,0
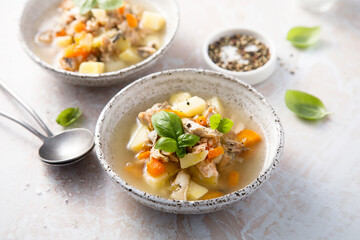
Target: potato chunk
130,56
191,159
63,41
179,97
191,107
92,67
137,140
153,21
196,191
215,101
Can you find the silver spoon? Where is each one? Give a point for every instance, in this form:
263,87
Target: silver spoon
63,148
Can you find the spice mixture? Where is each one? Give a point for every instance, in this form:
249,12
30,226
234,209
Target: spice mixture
239,53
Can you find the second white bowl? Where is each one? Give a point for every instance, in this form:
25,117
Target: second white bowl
251,77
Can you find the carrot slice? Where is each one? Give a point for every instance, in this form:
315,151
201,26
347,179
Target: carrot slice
233,179
155,168
61,33
79,27
200,120
212,194
248,137
121,9
143,154
215,152
75,51
131,19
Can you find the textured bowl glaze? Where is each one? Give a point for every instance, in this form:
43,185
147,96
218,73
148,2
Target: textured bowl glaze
251,77
33,15
197,82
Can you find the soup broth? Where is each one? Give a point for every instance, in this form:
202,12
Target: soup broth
248,164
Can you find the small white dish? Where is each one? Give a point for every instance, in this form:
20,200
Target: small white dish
36,11
198,82
253,76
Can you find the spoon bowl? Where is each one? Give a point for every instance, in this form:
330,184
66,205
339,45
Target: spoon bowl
67,146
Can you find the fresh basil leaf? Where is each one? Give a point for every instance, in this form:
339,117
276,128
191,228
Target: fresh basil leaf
85,5
166,144
305,105
215,121
225,125
187,140
304,37
167,124
110,4
181,152
68,116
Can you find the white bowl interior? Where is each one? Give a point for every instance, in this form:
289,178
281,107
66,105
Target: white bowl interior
200,82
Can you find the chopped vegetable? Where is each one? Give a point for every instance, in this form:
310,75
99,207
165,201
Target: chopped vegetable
79,27
233,179
196,191
152,21
180,114
60,33
200,120
132,21
156,182
199,178
248,137
215,101
121,9
191,159
92,67
215,152
75,51
136,142
155,168
130,55
191,107
143,155
179,97
63,41
99,14
68,116
212,194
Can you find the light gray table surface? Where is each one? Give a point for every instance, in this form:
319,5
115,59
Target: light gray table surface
314,194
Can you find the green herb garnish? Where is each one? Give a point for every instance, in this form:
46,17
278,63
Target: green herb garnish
223,125
86,5
304,37
68,116
305,105
168,126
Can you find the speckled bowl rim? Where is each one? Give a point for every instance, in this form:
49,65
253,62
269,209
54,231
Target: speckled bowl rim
222,33
227,199
86,77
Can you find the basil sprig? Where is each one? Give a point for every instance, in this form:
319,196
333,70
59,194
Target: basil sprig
304,37
168,126
68,116
86,5
305,105
223,125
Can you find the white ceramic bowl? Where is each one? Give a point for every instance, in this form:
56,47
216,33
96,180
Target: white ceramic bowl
196,82
33,15
251,77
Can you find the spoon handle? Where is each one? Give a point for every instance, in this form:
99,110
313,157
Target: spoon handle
27,108
25,125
